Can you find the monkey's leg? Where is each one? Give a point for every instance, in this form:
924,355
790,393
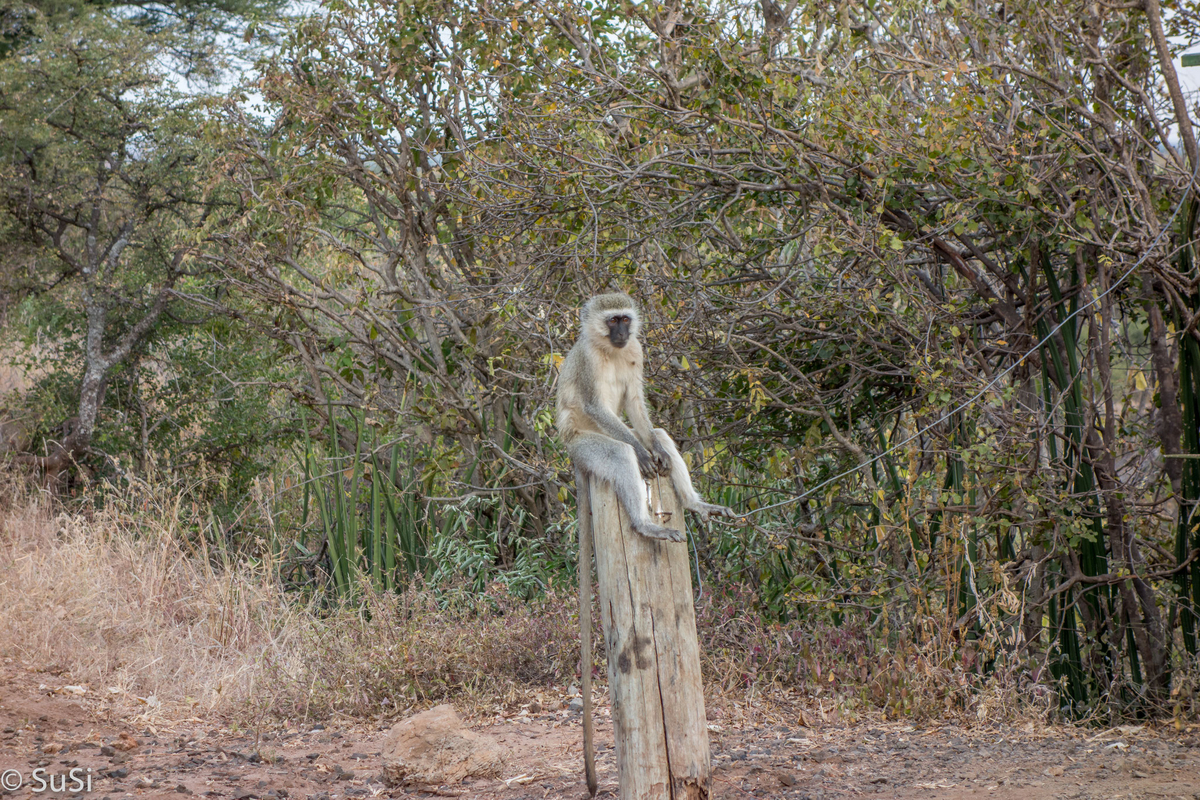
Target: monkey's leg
616,464
683,481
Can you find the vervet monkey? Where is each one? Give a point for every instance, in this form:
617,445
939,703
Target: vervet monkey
601,376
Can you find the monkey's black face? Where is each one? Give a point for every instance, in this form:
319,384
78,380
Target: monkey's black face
618,329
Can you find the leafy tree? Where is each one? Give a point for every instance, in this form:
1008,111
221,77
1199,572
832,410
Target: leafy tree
200,30
109,189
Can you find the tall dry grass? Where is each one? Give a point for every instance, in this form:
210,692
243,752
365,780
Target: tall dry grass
125,605
126,602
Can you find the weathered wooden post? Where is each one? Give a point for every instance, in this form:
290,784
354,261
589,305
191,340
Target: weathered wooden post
645,589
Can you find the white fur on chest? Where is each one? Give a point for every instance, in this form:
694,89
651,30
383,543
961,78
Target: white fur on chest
615,378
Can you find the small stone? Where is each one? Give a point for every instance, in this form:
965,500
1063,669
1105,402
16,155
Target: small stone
576,705
181,789
787,779
126,743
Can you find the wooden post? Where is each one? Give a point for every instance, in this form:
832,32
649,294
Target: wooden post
645,589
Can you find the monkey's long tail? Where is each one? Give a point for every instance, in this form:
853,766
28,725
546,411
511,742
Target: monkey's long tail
584,514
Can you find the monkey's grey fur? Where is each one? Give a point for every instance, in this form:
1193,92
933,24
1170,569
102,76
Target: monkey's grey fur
600,378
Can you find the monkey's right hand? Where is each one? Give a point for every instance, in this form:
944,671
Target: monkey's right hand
647,465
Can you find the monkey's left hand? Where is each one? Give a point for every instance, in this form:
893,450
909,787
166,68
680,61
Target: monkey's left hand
662,459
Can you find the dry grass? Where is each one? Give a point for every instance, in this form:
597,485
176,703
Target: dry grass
126,608
122,603
409,651
125,603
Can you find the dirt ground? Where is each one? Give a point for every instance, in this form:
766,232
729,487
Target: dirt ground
47,724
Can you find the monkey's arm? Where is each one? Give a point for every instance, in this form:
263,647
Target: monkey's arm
639,417
611,425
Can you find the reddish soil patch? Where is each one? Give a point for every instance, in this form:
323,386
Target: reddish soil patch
43,725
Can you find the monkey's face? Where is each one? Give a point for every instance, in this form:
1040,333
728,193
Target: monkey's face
620,328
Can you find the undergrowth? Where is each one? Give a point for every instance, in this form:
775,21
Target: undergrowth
153,620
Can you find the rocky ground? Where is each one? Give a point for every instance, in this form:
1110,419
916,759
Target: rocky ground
62,730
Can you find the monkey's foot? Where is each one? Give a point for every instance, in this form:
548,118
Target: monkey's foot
706,509
652,531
